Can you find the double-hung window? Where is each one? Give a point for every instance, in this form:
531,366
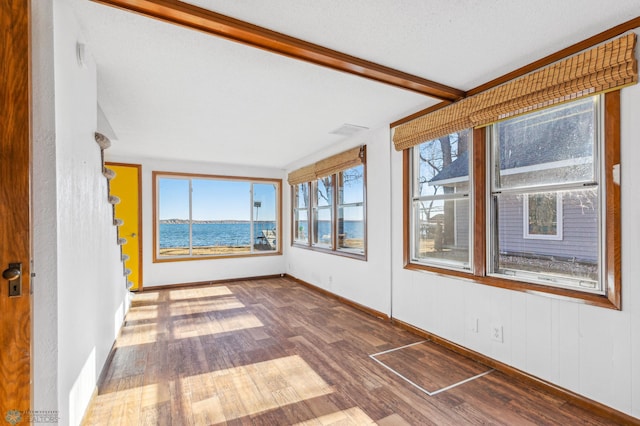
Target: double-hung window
545,202
328,204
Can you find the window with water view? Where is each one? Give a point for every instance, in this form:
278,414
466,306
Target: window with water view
208,216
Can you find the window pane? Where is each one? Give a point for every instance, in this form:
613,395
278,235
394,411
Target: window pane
443,165
322,226
302,196
441,231
264,216
555,145
221,216
173,213
301,226
574,255
324,194
351,228
351,182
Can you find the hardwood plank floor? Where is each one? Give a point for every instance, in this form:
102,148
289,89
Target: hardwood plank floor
273,352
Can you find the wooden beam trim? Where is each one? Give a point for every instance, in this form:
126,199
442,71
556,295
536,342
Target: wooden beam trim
210,22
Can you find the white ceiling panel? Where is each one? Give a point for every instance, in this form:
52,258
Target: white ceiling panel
171,92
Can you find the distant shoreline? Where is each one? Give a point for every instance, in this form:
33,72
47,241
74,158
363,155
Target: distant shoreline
207,222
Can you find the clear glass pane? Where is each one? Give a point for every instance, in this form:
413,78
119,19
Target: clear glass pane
549,248
442,231
322,226
264,216
301,226
443,165
221,217
301,194
173,213
324,194
555,145
351,185
351,228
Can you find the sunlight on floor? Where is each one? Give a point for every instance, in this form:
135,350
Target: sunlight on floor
189,327
199,292
188,307
352,416
263,386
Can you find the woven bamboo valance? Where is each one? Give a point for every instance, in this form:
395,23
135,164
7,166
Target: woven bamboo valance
606,67
328,166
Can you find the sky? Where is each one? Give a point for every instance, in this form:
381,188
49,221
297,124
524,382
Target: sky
215,199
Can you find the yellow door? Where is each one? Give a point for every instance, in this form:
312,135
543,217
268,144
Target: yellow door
126,186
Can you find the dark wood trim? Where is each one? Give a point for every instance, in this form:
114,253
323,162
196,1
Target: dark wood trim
406,206
210,22
576,399
157,259
561,54
210,282
15,208
613,262
140,231
348,302
526,287
479,201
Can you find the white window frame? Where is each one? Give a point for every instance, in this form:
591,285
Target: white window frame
559,221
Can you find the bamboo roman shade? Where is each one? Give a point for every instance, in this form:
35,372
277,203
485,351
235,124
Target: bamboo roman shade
328,166
606,67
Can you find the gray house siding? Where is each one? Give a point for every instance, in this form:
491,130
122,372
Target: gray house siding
579,230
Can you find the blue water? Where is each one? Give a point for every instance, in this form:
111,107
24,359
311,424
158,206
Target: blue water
234,234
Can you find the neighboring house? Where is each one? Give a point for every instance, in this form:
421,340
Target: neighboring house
558,224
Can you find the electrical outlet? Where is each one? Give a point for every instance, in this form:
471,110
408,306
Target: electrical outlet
496,333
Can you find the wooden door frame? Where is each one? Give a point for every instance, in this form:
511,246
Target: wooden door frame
140,233
15,209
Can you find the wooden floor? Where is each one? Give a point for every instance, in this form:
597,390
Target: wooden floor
272,352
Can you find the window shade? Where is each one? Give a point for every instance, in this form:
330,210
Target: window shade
606,67
328,166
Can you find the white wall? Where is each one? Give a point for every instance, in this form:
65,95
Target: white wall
165,273
592,351
44,212
79,295
367,283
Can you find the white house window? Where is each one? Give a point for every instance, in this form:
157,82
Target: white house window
545,205
542,218
440,206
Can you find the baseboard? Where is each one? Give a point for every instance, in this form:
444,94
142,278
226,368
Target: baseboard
572,397
348,302
209,282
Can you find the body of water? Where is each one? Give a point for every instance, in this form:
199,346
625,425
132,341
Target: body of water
234,234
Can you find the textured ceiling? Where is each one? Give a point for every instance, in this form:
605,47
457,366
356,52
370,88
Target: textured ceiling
170,92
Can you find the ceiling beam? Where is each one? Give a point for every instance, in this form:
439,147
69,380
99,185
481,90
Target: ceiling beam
200,19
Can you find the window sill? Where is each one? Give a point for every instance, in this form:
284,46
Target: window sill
552,292
340,253
157,259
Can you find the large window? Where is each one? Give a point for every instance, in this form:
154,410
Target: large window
200,216
328,210
523,205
